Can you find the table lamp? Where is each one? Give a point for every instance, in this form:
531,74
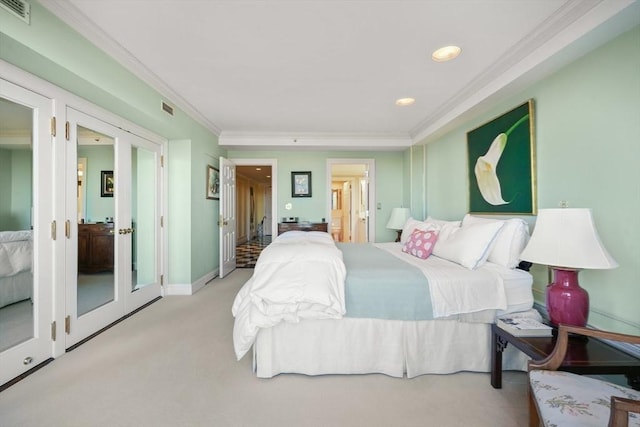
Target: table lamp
399,217
566,240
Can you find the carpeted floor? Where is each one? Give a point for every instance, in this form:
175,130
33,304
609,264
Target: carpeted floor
172,364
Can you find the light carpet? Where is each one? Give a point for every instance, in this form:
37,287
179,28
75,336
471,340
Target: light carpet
172,364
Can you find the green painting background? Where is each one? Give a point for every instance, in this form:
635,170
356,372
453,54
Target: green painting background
514,169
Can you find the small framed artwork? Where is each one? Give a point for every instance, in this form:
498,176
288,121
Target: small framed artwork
300,184
107,184
213,183
501,164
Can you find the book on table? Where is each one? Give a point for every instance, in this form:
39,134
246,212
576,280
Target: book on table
521,327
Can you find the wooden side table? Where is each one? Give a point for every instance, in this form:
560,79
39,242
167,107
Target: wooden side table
592,356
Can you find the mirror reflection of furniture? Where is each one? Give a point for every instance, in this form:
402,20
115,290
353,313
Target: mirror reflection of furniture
398,218
95,247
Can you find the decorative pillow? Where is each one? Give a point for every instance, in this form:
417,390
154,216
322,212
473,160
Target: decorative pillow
421,243
467,246
411,225
509,242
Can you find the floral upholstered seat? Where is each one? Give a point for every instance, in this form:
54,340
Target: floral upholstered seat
559,399
565,399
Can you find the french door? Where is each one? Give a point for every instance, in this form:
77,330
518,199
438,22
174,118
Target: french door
113,228
26,244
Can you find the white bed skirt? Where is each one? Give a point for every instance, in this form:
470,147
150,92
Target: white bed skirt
391,347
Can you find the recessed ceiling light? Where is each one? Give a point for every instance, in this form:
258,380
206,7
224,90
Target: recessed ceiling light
403,102
446,53
258,169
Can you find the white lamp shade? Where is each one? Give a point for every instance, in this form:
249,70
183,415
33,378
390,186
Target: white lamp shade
399,217
567,237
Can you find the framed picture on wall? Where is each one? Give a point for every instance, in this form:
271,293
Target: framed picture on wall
501,164
213,183
107,184
300,184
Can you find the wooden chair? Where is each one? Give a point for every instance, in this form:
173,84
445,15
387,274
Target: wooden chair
566,399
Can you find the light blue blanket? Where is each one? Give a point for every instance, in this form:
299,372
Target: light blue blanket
379,285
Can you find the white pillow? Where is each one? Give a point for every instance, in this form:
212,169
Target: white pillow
414,224
509,242
440,223
467,246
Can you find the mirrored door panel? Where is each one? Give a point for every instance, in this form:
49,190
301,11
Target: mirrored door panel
96,213
93,299
143,218
25,239
16,242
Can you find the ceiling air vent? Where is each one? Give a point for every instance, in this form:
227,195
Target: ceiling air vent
165,107
19,8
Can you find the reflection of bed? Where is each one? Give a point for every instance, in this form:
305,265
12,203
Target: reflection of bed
450,333
16,277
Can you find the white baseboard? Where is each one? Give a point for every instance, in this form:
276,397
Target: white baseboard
190,288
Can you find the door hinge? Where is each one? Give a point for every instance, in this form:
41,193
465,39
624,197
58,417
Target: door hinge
162,280
53,230
161,161
53,126
67,325
161,220
53,330
67,229
67,128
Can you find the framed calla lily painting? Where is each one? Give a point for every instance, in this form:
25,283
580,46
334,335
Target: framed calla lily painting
501,164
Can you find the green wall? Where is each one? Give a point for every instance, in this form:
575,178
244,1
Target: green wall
388,176
587,150
51,50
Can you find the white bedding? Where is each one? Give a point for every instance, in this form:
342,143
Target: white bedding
16,278
298,276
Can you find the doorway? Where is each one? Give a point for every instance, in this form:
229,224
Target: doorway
350,197
256,209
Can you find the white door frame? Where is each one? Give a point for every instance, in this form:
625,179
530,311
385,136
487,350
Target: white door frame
274,185
371,168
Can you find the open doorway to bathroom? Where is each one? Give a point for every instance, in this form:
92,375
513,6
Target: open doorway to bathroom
350,199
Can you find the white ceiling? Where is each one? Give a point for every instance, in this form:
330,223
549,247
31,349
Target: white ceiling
326,73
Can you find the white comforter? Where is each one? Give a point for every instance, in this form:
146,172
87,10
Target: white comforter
15,252
299,276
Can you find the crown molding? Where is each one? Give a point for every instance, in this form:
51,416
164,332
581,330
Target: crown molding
317,141
79,22
574,20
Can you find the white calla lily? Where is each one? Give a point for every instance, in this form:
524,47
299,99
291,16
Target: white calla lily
485,171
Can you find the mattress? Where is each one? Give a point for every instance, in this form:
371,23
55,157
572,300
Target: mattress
517,283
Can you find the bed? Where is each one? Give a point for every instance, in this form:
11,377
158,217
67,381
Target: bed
337,325
16,276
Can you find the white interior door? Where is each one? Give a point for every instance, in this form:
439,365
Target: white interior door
26,214
227,220
113,250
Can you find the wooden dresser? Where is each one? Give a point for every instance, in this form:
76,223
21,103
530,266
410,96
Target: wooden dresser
95,247
302,226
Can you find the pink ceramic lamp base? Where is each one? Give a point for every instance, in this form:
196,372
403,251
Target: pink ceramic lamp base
567,302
